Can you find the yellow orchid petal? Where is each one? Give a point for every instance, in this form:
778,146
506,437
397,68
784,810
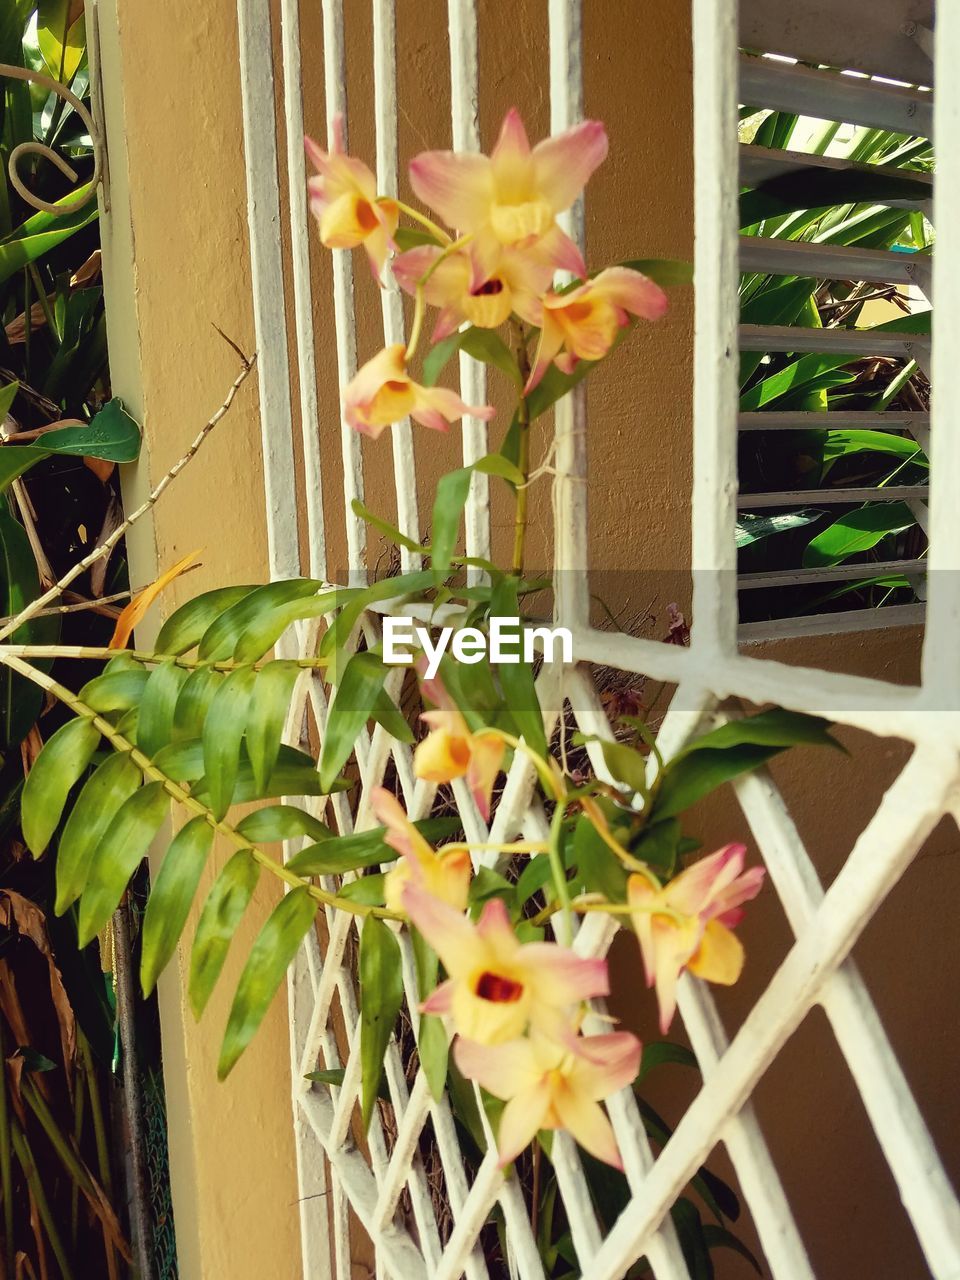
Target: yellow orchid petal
720,956
441,756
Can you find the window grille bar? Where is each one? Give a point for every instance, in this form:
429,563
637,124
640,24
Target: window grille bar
571,540
716,356
837,573
760,164
905,817
385,113
816,497
834,420
941,667
830,261
855,342
916,1166
830,95
335,93
465,122
302,298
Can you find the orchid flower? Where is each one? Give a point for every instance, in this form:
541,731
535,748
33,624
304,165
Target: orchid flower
512,196
583,324
515,282
451,751
344,200
553,1085
497,986
687,924
382,392
445,876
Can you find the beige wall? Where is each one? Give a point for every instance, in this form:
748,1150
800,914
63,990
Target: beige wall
179,265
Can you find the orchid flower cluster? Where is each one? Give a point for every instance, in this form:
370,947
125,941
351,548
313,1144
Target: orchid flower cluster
517,1005
499,261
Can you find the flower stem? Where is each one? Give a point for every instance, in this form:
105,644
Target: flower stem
424,221
565,932
523,453
183,797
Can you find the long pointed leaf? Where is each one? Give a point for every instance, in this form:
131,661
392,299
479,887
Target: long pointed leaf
118,855
267,715
59,765
222,912
222,732
171,896
381,995
91,817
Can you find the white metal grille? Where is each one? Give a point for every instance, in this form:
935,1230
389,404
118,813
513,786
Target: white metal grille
816,969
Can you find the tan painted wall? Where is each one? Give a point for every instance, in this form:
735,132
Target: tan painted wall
179,265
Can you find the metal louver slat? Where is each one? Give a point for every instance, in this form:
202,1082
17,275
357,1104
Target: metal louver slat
832,261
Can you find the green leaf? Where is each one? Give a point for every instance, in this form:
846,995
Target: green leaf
773,728
171,896
687,780
533,877
41,233
61,43
719,1237
15,459
686,1219
281,822
434,1048
295,774
754,527
387,713
332,1077
658,1052
626,765
381,995
362,849
222,732
198,692
485,345
516,678
112,435
487,884
659,845
7,396
857,531
357,600
842,444
495,464
222,912
368,889
600,869
219,640
388,530
60,764
183,629
361,682
795,377
118,689
158,705
123,847
264,633
411,238
267,716
815,188
112,783
451,497
273,950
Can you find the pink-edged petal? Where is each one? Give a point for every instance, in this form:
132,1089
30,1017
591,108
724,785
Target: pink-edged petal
430,418
512,140
605,1064
495,929
442,401
450,933
551,340
563,164
726,906
561,977
556,248
502,1069
522,1117
457,185
633,291
587,1122
433,688
439,1001
567,362
693,889
387,365
448,321
510,160
486,756
641,895
408,267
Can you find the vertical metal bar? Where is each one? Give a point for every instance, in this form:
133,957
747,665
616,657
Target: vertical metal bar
385,112
302,299
465,120
715,328
335,93
266,265
941,658
571,550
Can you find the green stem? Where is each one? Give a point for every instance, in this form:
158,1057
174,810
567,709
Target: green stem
96,653
523,454
6,1172
44,303
560,876
420,304
183,797
424,221
27,1163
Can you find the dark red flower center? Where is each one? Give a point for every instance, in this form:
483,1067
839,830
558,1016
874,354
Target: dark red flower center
489,288
498,989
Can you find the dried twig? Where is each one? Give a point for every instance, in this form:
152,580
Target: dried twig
35,606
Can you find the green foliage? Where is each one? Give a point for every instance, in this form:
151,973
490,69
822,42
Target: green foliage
381,995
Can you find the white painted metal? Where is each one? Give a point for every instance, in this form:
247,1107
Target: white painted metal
852,342
383,1181
826,261
829,96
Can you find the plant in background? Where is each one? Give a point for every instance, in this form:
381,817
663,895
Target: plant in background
199,720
